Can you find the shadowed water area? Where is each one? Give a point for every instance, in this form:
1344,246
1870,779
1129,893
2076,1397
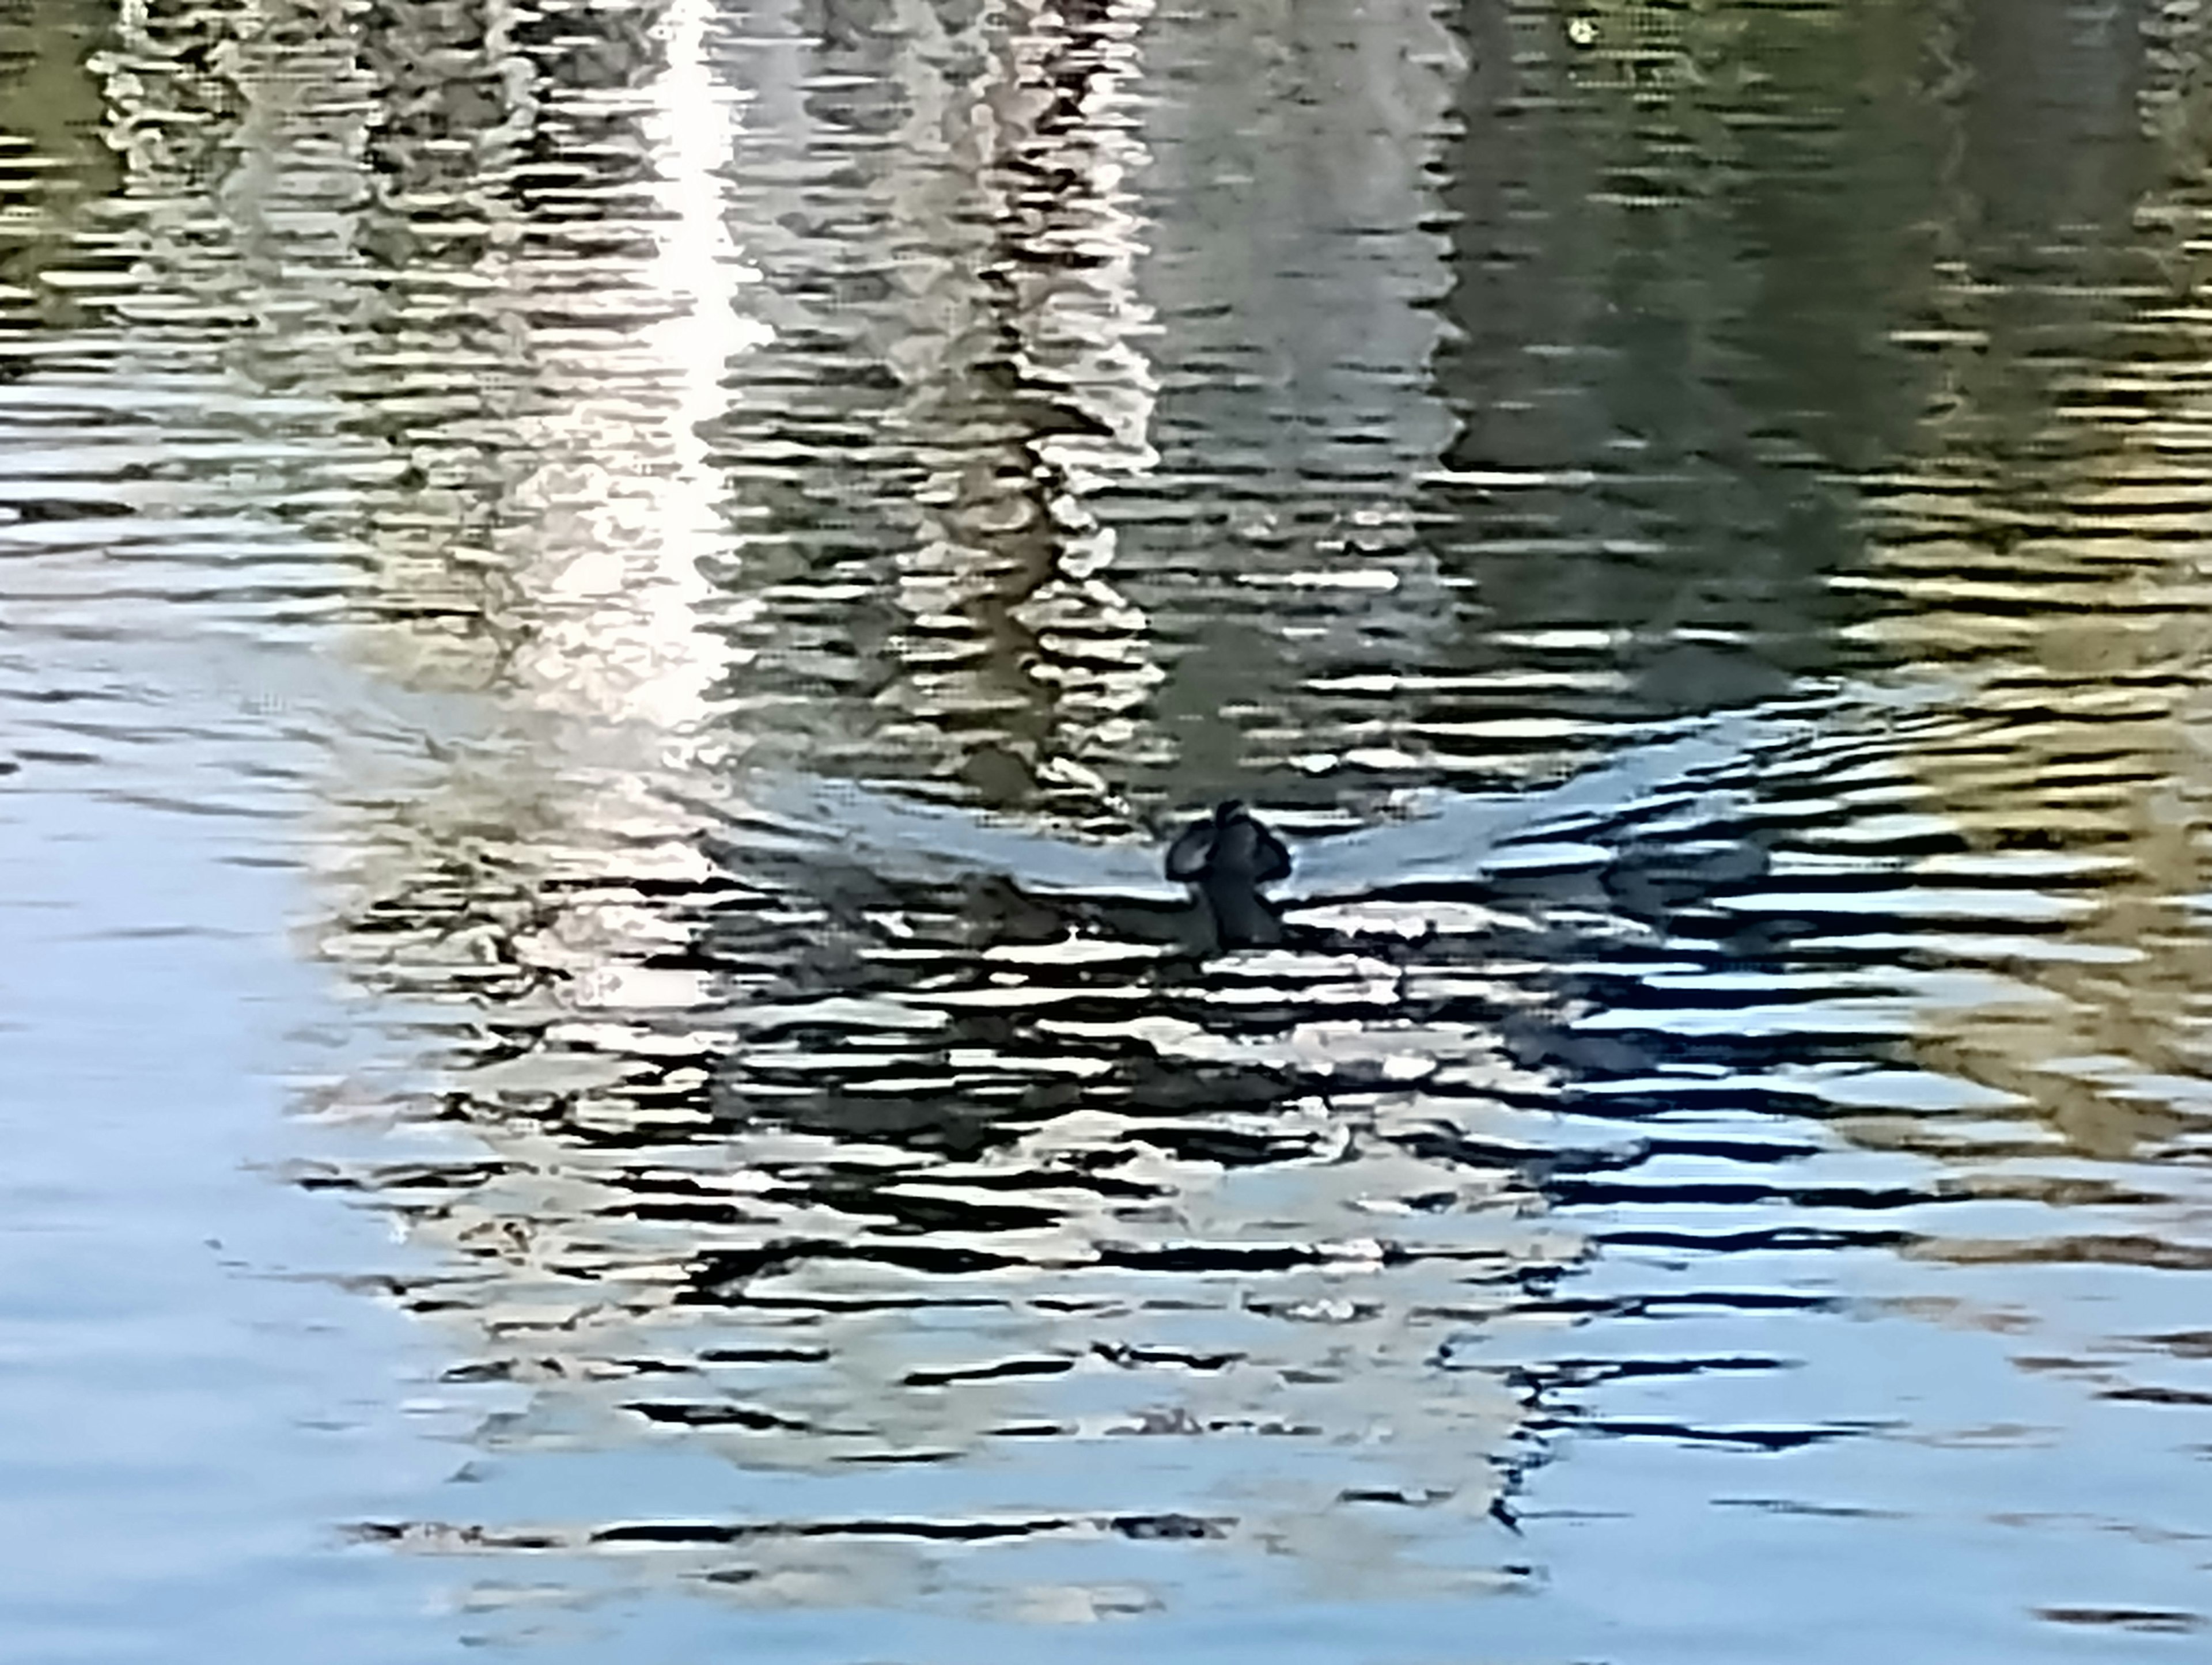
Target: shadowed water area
607,613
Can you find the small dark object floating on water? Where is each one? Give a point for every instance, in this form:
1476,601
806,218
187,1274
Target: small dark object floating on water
1226,858
1630,821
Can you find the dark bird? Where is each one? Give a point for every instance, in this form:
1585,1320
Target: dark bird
1630,821
1226,858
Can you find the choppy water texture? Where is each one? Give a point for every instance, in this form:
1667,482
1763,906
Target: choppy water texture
604,611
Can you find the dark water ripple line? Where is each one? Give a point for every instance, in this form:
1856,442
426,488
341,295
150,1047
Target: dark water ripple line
676,1534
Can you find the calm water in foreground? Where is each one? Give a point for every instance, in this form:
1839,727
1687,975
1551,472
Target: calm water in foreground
603,613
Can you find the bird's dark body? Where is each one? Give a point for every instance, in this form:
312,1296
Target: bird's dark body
1226,858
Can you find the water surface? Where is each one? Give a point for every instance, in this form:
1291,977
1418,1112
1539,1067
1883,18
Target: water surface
604,612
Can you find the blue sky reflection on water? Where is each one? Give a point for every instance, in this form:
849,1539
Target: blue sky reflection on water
195,1395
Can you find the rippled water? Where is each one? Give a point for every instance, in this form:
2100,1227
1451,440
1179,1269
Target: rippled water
604,611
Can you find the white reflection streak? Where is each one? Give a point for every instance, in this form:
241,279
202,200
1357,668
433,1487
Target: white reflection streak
629,474
967,202
1096,324
625,507
1093,323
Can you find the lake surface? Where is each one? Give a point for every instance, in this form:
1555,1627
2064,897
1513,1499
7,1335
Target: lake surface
605,612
